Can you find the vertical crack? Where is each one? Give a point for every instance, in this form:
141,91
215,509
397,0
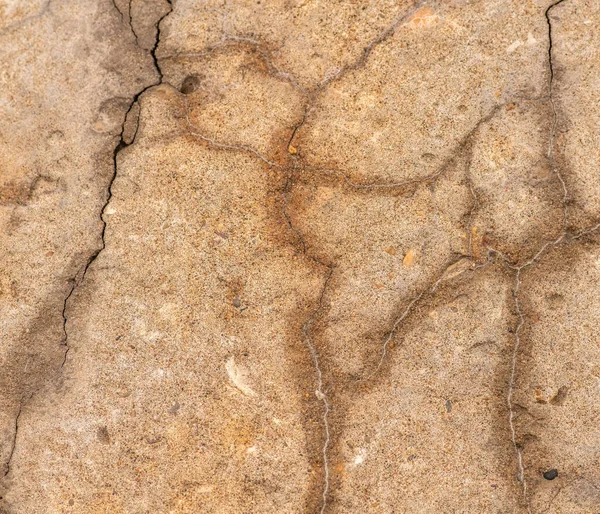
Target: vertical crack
79,277
550,153
513,369
320,393
120,145
14,442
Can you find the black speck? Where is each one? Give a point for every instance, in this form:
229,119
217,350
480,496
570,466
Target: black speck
448,406
102,435
551,474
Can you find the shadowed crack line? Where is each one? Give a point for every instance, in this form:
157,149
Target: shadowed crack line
465,142
358,63
554,111
192,130
319,392
120,145
129,19
75,281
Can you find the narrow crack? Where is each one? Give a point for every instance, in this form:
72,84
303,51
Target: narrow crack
79,277
194,131
554,111
320,393
517,287
407,310
130,22
120,145
14,442
465,142
358,63
118,10
64,324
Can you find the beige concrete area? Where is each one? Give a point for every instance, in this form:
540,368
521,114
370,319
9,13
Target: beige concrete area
299,256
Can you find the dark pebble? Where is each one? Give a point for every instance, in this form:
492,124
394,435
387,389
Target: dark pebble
551,474
190,84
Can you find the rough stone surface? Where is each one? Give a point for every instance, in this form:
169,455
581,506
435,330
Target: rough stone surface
288,256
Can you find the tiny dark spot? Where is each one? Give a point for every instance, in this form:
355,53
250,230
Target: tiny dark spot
428,157
555,301
412,457
102,435
190,84
71,501
118,337
174,408
236,302
551,474
448,406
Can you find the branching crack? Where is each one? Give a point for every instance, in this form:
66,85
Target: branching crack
77,280
465,142
550,154
358,63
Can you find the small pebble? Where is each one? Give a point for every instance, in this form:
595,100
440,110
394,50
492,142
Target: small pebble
190,84
551,474
409,259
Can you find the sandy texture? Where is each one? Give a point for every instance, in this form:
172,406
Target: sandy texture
292,256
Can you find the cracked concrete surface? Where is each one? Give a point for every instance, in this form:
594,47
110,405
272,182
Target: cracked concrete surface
299,256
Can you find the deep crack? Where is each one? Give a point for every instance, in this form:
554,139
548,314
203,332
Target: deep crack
77,280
